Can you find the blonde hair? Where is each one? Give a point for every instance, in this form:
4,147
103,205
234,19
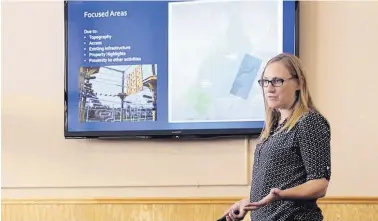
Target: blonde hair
303,103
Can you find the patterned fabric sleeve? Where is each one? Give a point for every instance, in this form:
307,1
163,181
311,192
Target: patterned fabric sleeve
314,136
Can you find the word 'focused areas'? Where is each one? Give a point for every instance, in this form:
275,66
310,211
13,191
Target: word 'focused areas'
105,14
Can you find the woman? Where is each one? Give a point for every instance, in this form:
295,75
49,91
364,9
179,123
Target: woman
292,164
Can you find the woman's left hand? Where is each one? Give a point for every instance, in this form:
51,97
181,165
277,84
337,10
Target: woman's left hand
272,196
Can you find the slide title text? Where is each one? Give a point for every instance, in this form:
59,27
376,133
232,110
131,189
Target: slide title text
105,14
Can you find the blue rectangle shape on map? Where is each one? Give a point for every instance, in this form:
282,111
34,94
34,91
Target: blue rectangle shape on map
246,76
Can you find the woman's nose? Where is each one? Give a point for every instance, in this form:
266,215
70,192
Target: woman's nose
270,88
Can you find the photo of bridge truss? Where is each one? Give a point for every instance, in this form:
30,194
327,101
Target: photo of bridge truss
121,93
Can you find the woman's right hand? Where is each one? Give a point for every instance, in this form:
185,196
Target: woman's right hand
238,206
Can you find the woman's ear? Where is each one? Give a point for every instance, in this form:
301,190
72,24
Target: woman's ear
299,80
298,87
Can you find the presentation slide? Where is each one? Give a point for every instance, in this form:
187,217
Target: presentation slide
171,66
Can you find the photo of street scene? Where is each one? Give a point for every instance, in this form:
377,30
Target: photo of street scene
122,93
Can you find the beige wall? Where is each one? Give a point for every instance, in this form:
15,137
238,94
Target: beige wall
339,44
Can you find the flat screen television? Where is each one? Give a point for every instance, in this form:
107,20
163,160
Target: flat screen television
171,68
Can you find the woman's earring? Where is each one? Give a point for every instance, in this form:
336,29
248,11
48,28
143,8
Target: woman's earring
297,92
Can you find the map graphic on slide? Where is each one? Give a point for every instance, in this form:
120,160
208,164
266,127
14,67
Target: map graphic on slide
217,51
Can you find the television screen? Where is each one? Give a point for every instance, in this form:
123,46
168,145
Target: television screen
171,68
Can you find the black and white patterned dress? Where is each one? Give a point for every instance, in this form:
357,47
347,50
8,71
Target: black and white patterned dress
288,159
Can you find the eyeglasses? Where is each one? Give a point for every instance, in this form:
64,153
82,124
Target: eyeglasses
275,82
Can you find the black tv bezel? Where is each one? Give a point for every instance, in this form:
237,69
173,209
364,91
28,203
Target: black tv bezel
162,134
